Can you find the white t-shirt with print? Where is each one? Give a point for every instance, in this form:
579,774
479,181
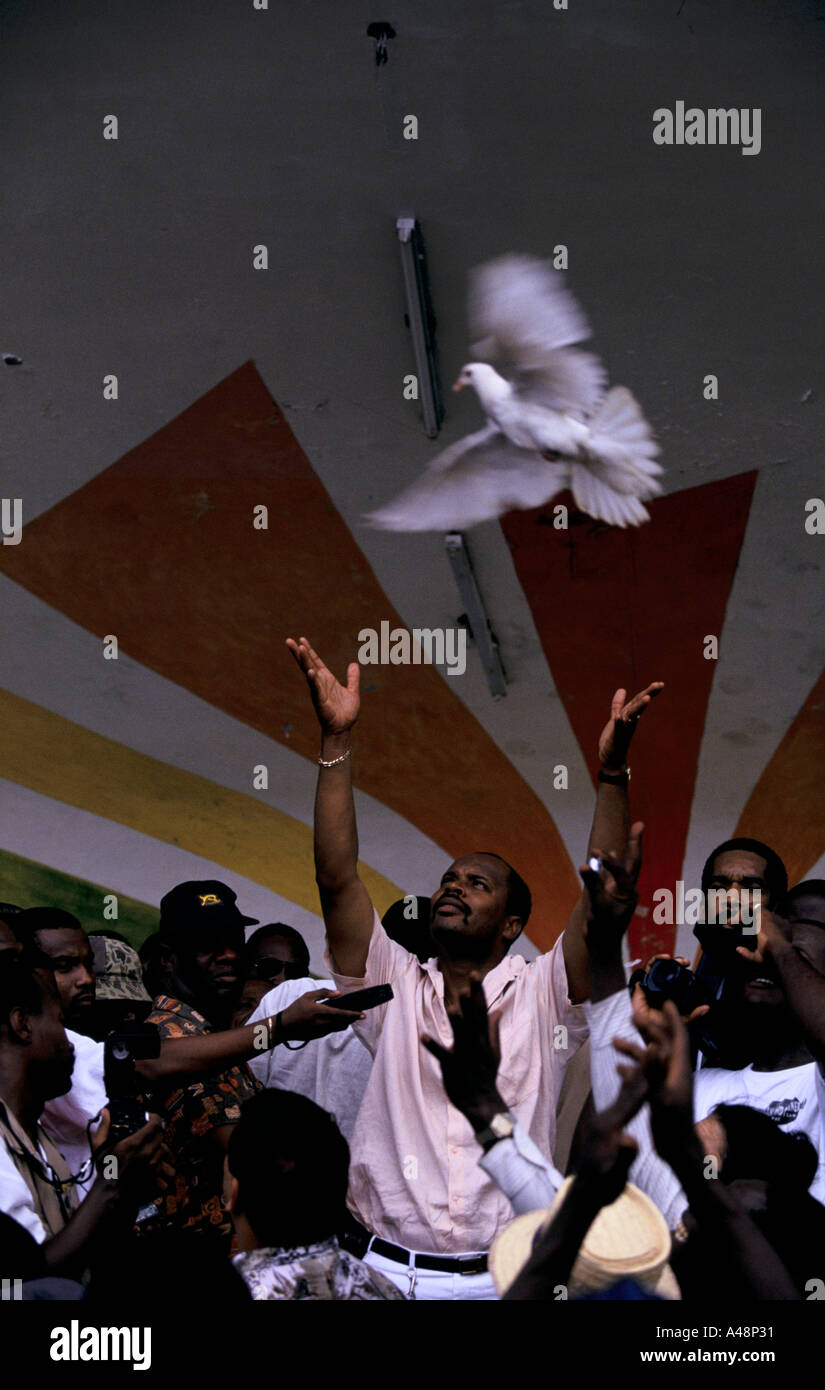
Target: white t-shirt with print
789,1097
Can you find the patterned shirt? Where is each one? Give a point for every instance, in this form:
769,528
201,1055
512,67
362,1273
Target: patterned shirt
193,1200
312,1272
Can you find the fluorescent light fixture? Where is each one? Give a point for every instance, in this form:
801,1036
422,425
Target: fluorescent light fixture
479,623
422,322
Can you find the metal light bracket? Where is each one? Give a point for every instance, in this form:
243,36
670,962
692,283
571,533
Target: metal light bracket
479,623
422,322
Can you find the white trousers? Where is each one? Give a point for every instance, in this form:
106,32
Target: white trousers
433,1283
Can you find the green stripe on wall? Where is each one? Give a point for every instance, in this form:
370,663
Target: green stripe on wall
29,884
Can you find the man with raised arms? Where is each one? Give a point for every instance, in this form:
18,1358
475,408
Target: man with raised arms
415,1182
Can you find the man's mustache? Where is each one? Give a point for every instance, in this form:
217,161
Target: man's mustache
450,898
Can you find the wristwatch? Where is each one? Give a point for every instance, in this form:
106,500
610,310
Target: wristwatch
500,1127
614,779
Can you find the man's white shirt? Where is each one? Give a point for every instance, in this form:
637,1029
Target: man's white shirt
794,1097
15,1198
66,1118
333,1071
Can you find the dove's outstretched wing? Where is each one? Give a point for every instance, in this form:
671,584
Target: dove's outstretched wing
570,381
524,306
524,321
479,478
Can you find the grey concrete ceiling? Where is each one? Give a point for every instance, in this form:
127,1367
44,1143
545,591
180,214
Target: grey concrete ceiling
239,126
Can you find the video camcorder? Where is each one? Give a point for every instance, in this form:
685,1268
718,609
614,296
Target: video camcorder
130,1043
718,980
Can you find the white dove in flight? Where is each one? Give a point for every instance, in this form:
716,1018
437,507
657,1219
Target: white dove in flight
550,424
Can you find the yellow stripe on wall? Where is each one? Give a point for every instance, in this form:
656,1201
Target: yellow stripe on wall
61,759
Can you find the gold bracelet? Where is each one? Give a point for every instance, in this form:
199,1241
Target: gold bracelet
334,761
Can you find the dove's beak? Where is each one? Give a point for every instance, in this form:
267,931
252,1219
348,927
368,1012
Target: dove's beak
458,385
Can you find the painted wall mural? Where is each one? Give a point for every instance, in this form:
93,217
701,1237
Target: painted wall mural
160,551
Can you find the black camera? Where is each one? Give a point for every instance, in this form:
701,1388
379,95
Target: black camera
667,979
132,1042
723,974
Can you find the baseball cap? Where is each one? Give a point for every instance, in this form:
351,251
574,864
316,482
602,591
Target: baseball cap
118,973
196,904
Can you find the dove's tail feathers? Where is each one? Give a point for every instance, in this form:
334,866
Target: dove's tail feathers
596,497
621,473
622,442
620,423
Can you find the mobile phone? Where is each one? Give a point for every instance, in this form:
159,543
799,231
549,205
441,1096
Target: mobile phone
360,999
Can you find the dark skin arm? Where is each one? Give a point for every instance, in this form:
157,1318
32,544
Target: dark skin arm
606,1157
753,1263
611,900
219,1138
555,1254
208,1053
348,911
70,1250
109,1210
738,1244
470,1070
611,824
803,985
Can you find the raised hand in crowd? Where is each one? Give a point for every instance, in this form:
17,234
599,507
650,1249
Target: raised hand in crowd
611,902
600,1178
348,912
792,953
774,938
616,736
666,1067
337,706
471,1068
610,828
730,1239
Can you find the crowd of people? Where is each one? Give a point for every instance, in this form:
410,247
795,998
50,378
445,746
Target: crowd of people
488,1127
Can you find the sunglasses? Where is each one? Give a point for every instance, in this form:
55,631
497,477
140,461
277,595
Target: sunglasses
270,966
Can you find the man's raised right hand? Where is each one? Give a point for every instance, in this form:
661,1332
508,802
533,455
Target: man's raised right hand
337,706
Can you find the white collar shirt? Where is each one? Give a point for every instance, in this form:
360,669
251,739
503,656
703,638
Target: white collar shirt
415,1178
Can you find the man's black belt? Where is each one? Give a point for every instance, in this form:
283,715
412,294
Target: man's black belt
448,1264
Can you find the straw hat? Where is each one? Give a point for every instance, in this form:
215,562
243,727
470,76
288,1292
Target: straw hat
628,1240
